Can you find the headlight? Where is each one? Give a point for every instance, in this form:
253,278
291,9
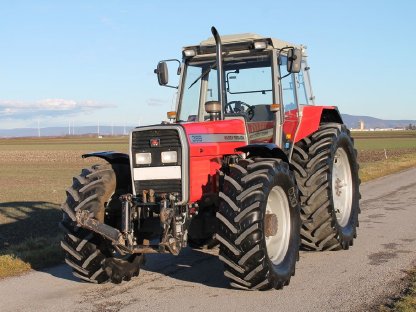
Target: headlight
143,158
169,157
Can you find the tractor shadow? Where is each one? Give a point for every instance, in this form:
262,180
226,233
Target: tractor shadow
29,231
191,265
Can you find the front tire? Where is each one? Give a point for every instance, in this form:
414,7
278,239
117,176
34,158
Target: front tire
326,171
92,258
259,224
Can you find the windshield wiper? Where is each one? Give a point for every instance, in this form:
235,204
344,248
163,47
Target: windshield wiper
203,74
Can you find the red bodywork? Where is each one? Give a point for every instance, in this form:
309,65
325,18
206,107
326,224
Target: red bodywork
205,157
308,123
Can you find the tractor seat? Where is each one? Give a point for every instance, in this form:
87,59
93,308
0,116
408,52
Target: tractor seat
262,113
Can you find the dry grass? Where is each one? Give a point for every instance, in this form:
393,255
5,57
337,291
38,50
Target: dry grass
380,168
11,265
406,301
384,152
32,253
34,176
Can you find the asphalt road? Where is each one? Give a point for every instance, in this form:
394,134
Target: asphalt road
354,280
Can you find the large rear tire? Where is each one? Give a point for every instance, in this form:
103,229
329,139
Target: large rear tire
327,176
258,224
92,257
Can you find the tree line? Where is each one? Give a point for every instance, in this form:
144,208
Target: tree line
411,127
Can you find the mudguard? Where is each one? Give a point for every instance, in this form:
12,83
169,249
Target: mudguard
312,117
110,156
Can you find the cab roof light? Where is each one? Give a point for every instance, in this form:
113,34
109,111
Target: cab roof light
189,52
260,45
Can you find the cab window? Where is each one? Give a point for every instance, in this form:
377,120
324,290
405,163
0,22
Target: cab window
288,91
300,86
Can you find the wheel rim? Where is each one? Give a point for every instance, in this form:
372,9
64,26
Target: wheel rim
342,187
278,245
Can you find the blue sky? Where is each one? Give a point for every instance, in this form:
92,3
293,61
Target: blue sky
90,61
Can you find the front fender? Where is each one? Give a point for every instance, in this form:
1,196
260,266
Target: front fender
110,156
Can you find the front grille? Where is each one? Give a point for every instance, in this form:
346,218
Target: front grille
159,186
169,140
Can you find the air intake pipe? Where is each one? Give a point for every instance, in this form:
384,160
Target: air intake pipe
220,71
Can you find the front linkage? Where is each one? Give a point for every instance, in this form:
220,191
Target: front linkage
173,220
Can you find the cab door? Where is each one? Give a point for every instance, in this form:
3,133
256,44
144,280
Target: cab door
290,103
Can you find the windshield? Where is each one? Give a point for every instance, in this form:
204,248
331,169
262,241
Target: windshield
248,83
191,92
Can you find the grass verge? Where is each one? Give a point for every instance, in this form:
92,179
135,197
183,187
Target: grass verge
376,169
406,301
33,253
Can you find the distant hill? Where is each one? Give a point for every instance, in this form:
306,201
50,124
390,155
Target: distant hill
373,123
350,120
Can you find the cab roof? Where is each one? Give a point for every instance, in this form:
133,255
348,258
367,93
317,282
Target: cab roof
239,43
249,37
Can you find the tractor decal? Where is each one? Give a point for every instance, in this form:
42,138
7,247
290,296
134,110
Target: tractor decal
210,138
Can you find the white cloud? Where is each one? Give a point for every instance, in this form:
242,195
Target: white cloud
47,107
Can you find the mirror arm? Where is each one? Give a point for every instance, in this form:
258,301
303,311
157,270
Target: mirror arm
172,60
280,78
169,86
280,50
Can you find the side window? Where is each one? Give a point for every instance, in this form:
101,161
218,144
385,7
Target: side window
287,86
300,86
190,98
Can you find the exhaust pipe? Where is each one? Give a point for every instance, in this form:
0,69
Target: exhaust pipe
220,71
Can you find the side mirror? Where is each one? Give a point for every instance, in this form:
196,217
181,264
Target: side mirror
162,73
294,60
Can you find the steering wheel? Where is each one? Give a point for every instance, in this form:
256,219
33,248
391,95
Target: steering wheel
239,107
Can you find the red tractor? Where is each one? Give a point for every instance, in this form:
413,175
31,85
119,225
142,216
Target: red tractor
247,162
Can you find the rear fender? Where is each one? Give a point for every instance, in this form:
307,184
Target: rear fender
110,157
265,150
313,116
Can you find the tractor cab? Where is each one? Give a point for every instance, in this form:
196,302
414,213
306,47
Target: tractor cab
259,85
